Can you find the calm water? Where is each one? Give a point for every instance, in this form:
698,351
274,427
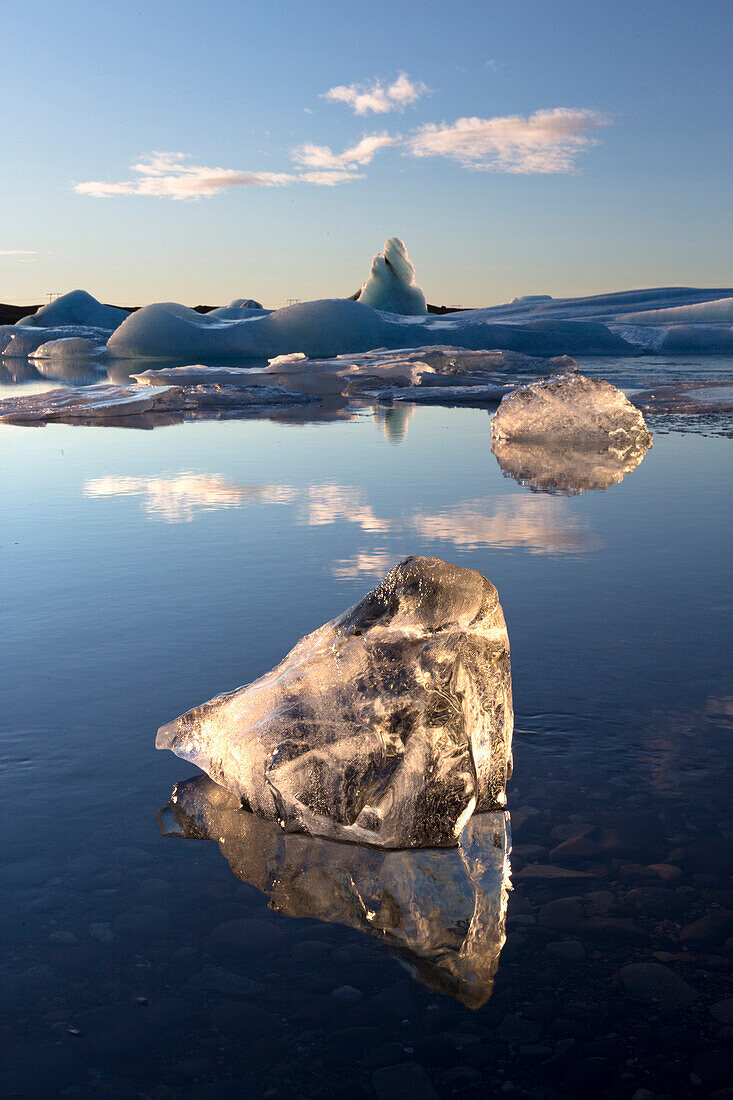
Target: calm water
148,571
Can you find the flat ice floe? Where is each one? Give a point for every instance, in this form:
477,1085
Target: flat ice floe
102,403
441,375
388,725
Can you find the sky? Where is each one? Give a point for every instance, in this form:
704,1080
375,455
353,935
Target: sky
166,150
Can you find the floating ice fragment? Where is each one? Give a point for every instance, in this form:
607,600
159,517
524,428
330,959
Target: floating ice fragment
388,725
442,913
568,433
589,412
391,285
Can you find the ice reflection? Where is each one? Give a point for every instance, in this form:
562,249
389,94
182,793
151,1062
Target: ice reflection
441,912
564,469
394,420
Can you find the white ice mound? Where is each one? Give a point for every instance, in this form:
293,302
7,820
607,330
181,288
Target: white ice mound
76,308
19,341
68,347
388,725
391,285
716,312
321,328
336,326
441,912
569,409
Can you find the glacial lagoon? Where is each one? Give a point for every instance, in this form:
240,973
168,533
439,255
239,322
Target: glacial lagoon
148,570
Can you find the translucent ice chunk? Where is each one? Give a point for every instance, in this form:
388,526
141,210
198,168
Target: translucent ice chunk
442,913
587,412
389,725
568,433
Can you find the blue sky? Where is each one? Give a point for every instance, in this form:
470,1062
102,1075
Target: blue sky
599,154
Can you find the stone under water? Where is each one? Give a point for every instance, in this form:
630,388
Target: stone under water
389,725
442,913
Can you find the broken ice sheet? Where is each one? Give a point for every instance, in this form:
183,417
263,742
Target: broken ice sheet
387,726
442,913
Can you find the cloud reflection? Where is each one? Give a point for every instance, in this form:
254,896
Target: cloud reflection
538,524
325,504
178,499
367,563
542,525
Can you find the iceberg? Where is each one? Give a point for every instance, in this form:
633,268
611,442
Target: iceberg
76,308
441,913
570,409
334,326
240,307
391,285
389,725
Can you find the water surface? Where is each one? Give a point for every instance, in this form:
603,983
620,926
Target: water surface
146,571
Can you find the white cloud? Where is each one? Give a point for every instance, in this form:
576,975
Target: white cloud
17,252
171,175
321,157
547,141
330,177
377,98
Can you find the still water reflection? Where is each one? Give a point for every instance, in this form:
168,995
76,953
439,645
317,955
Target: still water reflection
146,571
441,912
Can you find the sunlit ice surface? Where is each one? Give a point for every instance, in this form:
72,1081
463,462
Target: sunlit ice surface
147,571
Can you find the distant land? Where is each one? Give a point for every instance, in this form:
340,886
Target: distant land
9,314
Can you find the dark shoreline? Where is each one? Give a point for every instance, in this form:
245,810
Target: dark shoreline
10,315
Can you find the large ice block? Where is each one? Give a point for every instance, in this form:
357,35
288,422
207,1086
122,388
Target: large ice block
442,913
388,725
